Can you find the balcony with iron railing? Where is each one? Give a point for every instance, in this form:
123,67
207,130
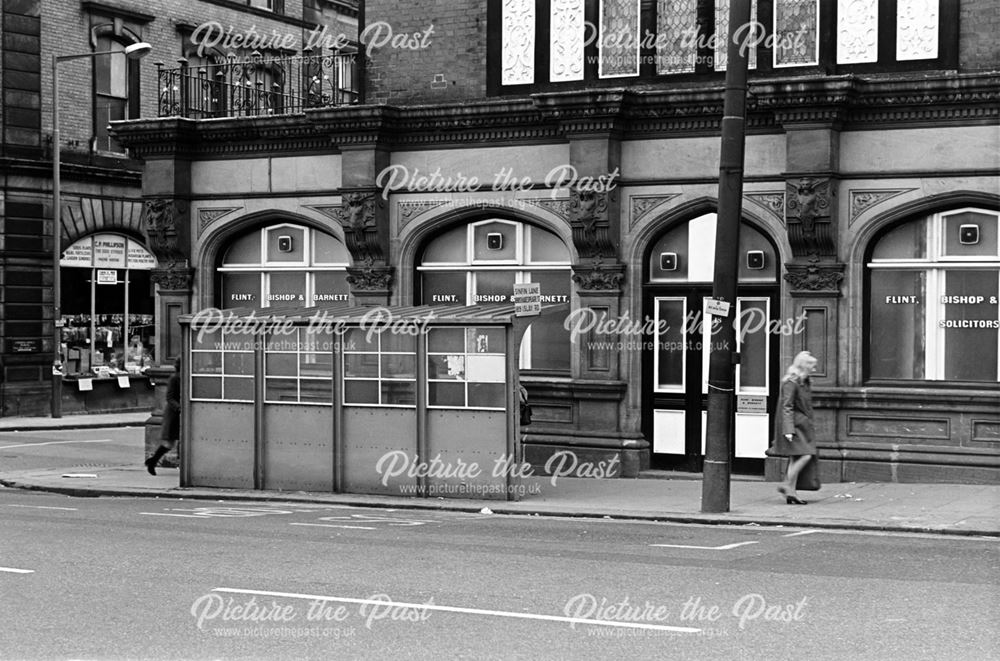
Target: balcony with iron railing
259,85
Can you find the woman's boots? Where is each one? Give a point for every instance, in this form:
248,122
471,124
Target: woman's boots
155,459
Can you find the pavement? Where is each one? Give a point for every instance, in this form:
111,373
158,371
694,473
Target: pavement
955,509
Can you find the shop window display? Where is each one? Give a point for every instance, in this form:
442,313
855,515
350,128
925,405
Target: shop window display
932,299
108,307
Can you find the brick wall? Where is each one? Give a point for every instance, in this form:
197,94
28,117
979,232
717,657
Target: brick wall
452,67
979,43
66,29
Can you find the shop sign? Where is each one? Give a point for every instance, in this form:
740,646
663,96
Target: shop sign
109,251
527,299
78,254
139,257
107,277
24,346
751,404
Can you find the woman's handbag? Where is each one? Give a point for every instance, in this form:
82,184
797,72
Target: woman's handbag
808,478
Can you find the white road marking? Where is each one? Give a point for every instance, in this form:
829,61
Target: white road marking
186,516
10,570
332,525
801,532
35,445
43,507
704,548
466,611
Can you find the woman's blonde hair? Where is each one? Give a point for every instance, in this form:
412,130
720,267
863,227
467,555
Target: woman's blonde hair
799,369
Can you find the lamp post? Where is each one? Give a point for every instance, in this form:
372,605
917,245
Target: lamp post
133,52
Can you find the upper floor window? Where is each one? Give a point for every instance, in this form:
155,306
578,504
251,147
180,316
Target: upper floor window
932,299
539,44
277,6
116,91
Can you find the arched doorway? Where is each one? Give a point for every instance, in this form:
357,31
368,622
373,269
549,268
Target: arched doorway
678,275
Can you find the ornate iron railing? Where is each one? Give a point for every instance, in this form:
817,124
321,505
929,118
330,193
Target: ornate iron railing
257,85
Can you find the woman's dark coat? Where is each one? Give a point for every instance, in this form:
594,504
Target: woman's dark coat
794,416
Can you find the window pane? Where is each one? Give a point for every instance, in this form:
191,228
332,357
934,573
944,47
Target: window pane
494,241
286,244
316,364
287,290
361,392
361,365
484,340
795,28
403,342
676,51
446,340
399,393
207,340
494,286
206,387
328,250
239,364
752,240
753,350
550,341
356,339
245,250
240,290
971,325
438,287
280,390
446,394
898,308
330,287
546,246
397,366
280,364
446,367
238,388
962,228
487,395
670,343
449,248
316,390
669,258
908,241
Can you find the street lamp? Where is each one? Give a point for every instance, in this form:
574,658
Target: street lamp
133,52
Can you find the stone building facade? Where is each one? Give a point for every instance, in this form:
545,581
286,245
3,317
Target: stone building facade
551,141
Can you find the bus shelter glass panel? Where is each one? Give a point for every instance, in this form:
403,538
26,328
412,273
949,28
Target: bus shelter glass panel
298,367
380,369
222,366
466,368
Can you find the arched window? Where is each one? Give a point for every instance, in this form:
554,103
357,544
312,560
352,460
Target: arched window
480,262
933,285
283,265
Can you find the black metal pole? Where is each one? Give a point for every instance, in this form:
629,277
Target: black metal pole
722,362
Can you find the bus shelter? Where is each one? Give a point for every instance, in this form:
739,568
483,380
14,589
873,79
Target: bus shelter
417,401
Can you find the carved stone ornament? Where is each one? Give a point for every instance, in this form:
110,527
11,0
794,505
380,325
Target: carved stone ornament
599,277
357,216
589,220
808,216
163,224
815,279
410,209
643,204
774,202
208,216
173,279
560,208
863,200
370,279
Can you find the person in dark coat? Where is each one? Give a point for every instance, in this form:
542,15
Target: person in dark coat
793,429
170,427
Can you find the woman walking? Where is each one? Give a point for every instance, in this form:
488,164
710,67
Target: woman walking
793,434
170,428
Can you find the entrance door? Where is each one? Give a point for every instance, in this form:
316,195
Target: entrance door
678,377
680,270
